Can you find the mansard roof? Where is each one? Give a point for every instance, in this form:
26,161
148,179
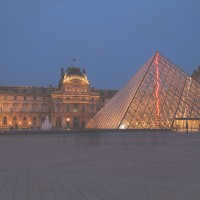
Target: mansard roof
26,90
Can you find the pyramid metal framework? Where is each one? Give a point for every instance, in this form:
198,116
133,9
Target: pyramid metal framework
155,96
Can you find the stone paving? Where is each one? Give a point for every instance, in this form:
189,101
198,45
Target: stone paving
99,166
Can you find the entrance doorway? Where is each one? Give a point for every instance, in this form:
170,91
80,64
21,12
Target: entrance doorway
186,124
75,122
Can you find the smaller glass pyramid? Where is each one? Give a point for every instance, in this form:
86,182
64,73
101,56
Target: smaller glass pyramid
155,96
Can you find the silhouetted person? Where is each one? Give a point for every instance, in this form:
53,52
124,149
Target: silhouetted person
186,126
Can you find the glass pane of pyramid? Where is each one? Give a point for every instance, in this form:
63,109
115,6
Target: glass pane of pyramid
155,96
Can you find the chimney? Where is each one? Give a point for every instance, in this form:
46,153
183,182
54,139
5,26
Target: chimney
84,71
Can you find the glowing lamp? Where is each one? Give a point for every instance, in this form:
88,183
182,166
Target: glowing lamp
68,119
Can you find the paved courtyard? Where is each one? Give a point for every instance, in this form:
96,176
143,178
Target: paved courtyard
99,166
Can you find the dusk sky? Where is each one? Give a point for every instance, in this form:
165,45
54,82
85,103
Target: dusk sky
111,39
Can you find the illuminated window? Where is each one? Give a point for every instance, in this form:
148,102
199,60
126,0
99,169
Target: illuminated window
75,108
5,107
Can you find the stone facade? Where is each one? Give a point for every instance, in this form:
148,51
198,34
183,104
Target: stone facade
70,105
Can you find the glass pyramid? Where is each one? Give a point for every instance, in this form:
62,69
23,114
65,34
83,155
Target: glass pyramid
155,96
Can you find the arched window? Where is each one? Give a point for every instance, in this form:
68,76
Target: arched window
14,120
4,121
58,122
34,121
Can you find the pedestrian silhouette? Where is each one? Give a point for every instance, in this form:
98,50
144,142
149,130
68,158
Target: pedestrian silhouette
186,126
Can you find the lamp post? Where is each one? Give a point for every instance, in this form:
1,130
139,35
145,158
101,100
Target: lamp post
10,127
20,125
68,123
30,125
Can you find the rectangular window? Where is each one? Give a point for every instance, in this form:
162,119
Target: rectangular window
5,97
15,98
34,98
15,107
67,108
44,107
83,109
25,98
5,107
34,107
75,108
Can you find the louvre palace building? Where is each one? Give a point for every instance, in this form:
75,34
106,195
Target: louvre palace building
69,106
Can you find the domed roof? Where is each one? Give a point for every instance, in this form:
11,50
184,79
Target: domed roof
73,71
75,74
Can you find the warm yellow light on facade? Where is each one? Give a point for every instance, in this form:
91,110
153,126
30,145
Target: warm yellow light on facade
68,119
122,126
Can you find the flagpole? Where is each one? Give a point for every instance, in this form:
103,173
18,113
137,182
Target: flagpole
73,61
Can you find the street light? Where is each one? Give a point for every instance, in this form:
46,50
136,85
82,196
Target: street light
20,125
68,123
10,125
30,125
